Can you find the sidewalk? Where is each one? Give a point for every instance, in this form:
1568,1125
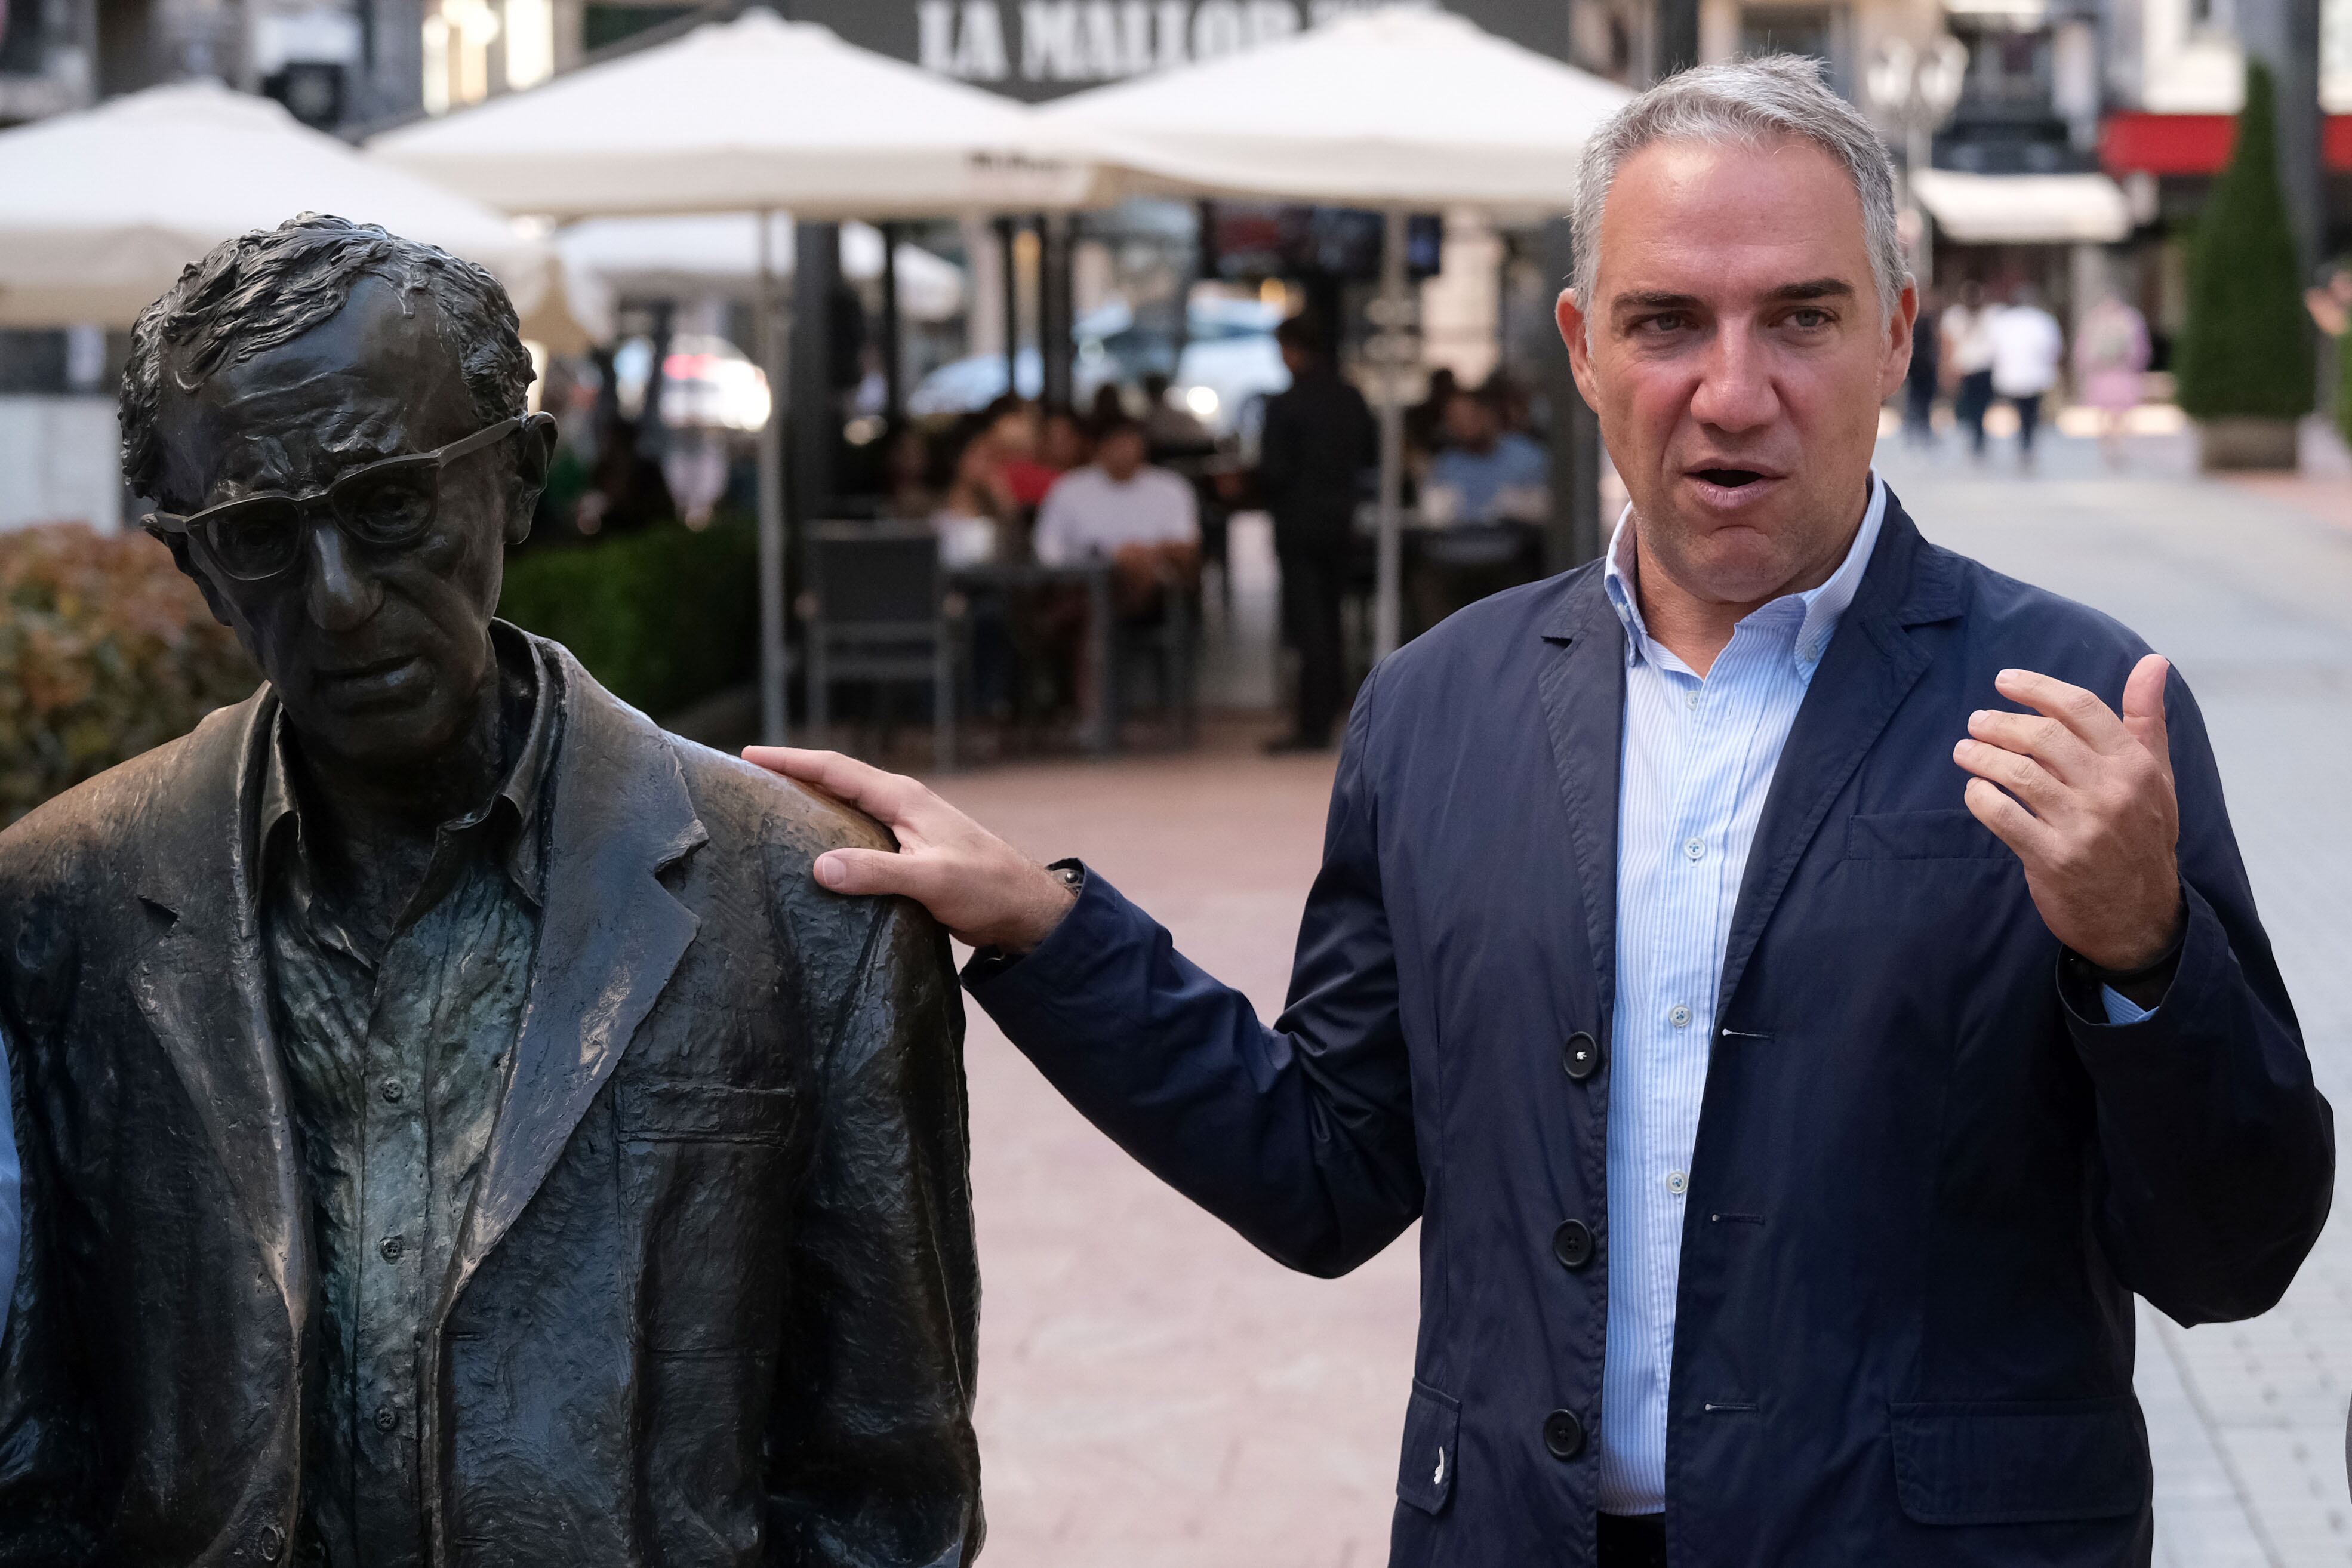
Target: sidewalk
1155,1393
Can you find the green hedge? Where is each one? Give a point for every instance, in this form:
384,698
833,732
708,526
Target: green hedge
2247,346
662,618
106,651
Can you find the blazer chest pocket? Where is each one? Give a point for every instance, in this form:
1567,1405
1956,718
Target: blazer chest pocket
1433,1426
2019,1463
677,1111
1952,835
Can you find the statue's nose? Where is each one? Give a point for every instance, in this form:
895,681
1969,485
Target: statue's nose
342,592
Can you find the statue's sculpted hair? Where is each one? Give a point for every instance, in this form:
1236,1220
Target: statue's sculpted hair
271,285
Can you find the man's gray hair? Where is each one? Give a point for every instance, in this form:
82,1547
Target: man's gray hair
1748,102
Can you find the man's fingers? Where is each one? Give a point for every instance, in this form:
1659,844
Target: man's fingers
2144,708
2022,776
871,873
2071,705
889,797
2012,823
2046,740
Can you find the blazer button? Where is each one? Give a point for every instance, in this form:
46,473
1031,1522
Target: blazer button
1581,1056
1572,1244
1563,1435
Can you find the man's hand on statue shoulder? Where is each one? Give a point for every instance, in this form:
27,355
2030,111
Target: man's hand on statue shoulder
2086,798
986,893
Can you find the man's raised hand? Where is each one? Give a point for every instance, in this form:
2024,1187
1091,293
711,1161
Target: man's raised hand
2085,798
985,891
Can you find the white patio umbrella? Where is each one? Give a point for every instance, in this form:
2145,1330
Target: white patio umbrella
101,210
1402,108
605,259
756,115
741,116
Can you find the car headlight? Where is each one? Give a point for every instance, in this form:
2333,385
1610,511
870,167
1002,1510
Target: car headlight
1204,401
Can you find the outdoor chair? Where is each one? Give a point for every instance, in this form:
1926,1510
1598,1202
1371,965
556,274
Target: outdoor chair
879,612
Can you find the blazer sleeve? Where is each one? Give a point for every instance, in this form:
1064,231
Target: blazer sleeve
2218,1152
873,1460
1299,1137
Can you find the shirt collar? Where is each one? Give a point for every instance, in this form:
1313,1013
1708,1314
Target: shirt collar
1810,619
518,794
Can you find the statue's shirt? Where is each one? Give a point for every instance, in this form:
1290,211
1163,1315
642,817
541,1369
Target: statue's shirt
396,1064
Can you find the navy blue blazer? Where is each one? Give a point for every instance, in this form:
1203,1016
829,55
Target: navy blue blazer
1928,1178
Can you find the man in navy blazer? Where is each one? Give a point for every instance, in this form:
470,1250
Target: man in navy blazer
1801,1011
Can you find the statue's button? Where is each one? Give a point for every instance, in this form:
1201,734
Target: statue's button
271,1544
392,1248
386,1419
390,1091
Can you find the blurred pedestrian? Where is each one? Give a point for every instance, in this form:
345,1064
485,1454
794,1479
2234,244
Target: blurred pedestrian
2111,356
1927,373
1424,422
1968,360
2027,349
1319,441
2331,310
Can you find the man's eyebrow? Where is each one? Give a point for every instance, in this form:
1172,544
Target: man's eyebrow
1656,299
1813,288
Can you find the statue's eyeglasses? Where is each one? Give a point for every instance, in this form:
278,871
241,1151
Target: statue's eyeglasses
385,505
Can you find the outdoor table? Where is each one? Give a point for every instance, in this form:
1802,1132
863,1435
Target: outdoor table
1095,722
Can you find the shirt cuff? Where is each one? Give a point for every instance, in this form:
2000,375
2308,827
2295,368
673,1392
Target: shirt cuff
2121,1009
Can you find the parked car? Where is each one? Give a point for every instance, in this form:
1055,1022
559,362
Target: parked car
1229,366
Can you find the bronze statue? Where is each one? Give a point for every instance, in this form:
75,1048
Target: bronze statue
457,1128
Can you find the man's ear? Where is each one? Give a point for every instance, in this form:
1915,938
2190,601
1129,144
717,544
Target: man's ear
1900,320
1575,331
534,456
178,545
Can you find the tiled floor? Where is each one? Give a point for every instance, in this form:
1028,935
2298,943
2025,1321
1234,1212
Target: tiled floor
1155,1393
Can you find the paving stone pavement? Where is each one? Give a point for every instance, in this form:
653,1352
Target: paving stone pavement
1157,1394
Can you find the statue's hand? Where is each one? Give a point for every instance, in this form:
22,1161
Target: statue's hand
985,891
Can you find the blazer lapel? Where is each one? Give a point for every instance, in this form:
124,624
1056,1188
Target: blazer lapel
1582,685
1870,666
203,988
609,936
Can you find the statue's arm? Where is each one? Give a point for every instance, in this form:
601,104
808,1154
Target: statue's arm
874,1461
47,1514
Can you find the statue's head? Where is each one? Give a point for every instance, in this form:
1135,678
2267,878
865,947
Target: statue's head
331,422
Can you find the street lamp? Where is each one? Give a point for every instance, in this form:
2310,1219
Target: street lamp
1917,90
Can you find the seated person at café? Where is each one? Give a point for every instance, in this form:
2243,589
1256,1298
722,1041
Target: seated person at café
1145,520
1486,473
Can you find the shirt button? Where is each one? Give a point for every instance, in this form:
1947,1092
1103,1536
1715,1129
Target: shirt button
1691,700
1679,1017
390,1091
1677,1183
392,1248
1695,849
386,1419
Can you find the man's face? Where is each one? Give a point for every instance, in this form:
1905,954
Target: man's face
1121,454
1737,358
379,655
1470,424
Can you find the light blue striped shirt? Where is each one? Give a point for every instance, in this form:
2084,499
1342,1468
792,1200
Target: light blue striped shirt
1697,763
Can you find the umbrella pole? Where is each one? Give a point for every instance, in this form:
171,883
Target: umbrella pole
1392,348
774,670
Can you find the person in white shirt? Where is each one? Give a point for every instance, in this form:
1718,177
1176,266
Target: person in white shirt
1968,360
1146,520
2026,348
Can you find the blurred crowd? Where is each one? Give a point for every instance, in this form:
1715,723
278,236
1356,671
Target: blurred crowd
1981,348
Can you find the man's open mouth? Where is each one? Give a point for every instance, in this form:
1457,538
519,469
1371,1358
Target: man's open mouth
1730,478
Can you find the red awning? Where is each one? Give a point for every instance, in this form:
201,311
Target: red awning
2196,144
